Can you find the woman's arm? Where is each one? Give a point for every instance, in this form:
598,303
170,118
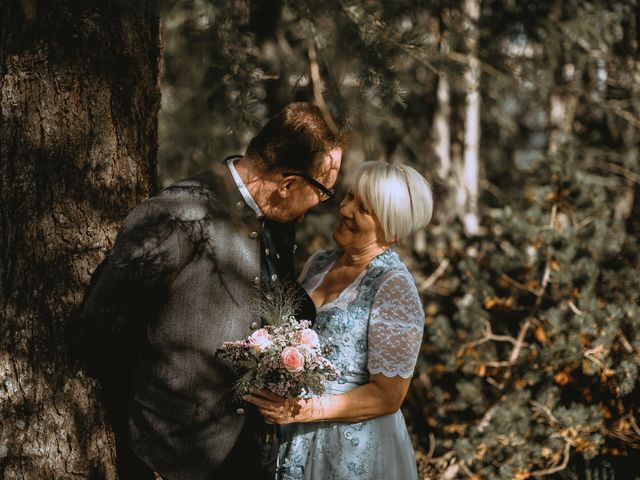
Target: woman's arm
381,396
394,338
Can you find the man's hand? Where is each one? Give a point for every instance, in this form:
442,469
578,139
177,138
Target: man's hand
274,408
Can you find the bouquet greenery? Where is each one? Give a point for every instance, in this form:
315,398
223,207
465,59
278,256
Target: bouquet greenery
285,356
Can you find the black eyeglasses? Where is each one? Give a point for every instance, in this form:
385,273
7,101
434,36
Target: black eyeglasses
326,193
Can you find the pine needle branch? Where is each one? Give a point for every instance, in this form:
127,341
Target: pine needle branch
276,303
558,468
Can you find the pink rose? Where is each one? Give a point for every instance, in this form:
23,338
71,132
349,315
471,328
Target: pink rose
309,338
260,340
292,359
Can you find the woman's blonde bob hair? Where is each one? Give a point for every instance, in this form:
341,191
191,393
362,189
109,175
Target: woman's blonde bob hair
398,196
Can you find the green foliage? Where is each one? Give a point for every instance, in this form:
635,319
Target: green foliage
530,359
531,348
228,66
533,331
574,377
211,87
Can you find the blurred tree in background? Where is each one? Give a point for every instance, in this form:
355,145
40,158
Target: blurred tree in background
525,115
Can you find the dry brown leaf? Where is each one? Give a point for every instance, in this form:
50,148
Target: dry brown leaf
540,335
562,378
490,302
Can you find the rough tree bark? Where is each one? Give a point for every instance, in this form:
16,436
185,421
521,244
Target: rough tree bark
79,99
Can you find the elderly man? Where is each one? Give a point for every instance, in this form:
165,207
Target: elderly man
179,281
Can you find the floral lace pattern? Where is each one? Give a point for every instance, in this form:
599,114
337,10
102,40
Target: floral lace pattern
374,326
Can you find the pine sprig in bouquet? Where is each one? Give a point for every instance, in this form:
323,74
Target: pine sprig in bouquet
285,356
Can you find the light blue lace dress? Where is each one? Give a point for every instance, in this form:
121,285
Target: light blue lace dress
374,326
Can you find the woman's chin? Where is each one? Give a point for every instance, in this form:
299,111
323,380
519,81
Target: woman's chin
339,238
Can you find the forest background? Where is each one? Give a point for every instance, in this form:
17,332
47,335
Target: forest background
524,115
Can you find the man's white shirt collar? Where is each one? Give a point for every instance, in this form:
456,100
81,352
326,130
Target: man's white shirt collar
243,189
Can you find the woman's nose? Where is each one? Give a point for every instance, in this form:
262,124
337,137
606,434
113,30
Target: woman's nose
345,207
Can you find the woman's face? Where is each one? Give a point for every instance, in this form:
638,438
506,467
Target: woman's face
358,228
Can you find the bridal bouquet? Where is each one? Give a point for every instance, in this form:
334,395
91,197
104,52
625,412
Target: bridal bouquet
285,356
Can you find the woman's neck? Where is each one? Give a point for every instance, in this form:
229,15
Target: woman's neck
360,258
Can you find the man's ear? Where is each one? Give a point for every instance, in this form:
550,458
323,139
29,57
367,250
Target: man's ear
285,185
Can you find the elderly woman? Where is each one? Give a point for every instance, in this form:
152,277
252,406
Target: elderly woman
369,311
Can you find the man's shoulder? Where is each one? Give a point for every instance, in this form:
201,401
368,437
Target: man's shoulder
200,184
200,187
211,189
191,199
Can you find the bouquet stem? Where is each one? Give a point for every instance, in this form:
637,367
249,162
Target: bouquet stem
270,433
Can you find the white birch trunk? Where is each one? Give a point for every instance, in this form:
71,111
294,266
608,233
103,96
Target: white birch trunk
561,114
442,136
470,167
442,119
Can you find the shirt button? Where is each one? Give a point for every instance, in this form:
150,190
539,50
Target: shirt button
254,325
253,235
278,256
256,281
239,205
267,251
274,277
240,411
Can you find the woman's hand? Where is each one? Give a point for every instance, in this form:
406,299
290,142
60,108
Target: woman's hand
381,396
274,408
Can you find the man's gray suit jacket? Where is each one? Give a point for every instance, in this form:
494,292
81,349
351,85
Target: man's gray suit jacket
181,277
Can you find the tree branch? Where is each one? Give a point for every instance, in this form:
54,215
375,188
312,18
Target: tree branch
489,335
427,283
625,343
546,410
517,284
316,82
539,293
558,468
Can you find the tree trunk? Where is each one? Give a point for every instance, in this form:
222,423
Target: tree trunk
470,167
441,132
441,126
562,109
442,117
78,128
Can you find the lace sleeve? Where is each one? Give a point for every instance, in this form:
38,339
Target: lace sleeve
395,327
